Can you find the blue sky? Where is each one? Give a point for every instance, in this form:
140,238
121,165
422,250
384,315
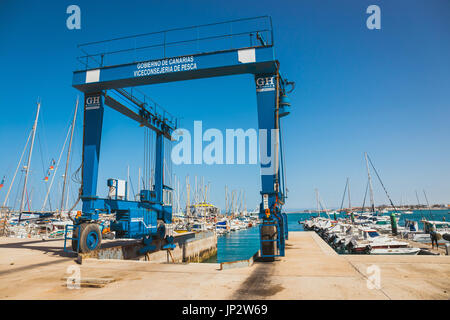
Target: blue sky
384,91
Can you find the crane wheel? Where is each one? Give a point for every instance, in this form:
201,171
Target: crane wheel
268,248
90,237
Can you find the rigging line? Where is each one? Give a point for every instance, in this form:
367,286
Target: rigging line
28,201
40,151
149,159
147,163
428,204
343,196
381,182
17,169
76,175
365,195
324,208
144,172
152,160
18,191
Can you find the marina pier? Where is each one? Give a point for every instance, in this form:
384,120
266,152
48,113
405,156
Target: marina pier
311,269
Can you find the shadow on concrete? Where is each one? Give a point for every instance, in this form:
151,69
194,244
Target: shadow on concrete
46,247
259,284
32,266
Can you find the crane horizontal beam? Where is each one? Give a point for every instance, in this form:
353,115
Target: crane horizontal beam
252,60
158,126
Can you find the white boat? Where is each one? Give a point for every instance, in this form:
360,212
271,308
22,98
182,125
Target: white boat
199,227
369,239
395,251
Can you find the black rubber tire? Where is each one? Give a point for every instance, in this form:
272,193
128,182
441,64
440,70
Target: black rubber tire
268,248
86,229
75,235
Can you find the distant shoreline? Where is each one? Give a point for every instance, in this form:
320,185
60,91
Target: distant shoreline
315,211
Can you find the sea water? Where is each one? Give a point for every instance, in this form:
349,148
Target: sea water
243,244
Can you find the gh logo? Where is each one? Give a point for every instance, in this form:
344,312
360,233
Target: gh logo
265,82
93,100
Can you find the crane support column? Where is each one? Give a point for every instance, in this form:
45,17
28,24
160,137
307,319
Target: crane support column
92,133
272,231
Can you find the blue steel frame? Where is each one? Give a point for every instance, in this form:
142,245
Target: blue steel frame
139,219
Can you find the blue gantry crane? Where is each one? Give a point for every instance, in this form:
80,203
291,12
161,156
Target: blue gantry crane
243,46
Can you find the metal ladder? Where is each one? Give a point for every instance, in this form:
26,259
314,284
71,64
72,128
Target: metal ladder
71,228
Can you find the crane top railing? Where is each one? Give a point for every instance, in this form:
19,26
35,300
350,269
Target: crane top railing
200,39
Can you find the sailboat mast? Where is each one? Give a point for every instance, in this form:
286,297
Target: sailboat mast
56,170
348,190
226,200
417,197
139,181
317,201
68,157
372,204
188,191
128,182
428,204
22,202
178,196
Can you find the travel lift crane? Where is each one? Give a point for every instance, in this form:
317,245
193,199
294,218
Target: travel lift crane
146,218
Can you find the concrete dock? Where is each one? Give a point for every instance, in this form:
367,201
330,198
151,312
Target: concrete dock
34,269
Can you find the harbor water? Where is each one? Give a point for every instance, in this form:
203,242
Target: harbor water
243,244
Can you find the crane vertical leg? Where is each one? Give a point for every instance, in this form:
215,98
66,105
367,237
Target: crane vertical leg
272,230
92,133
